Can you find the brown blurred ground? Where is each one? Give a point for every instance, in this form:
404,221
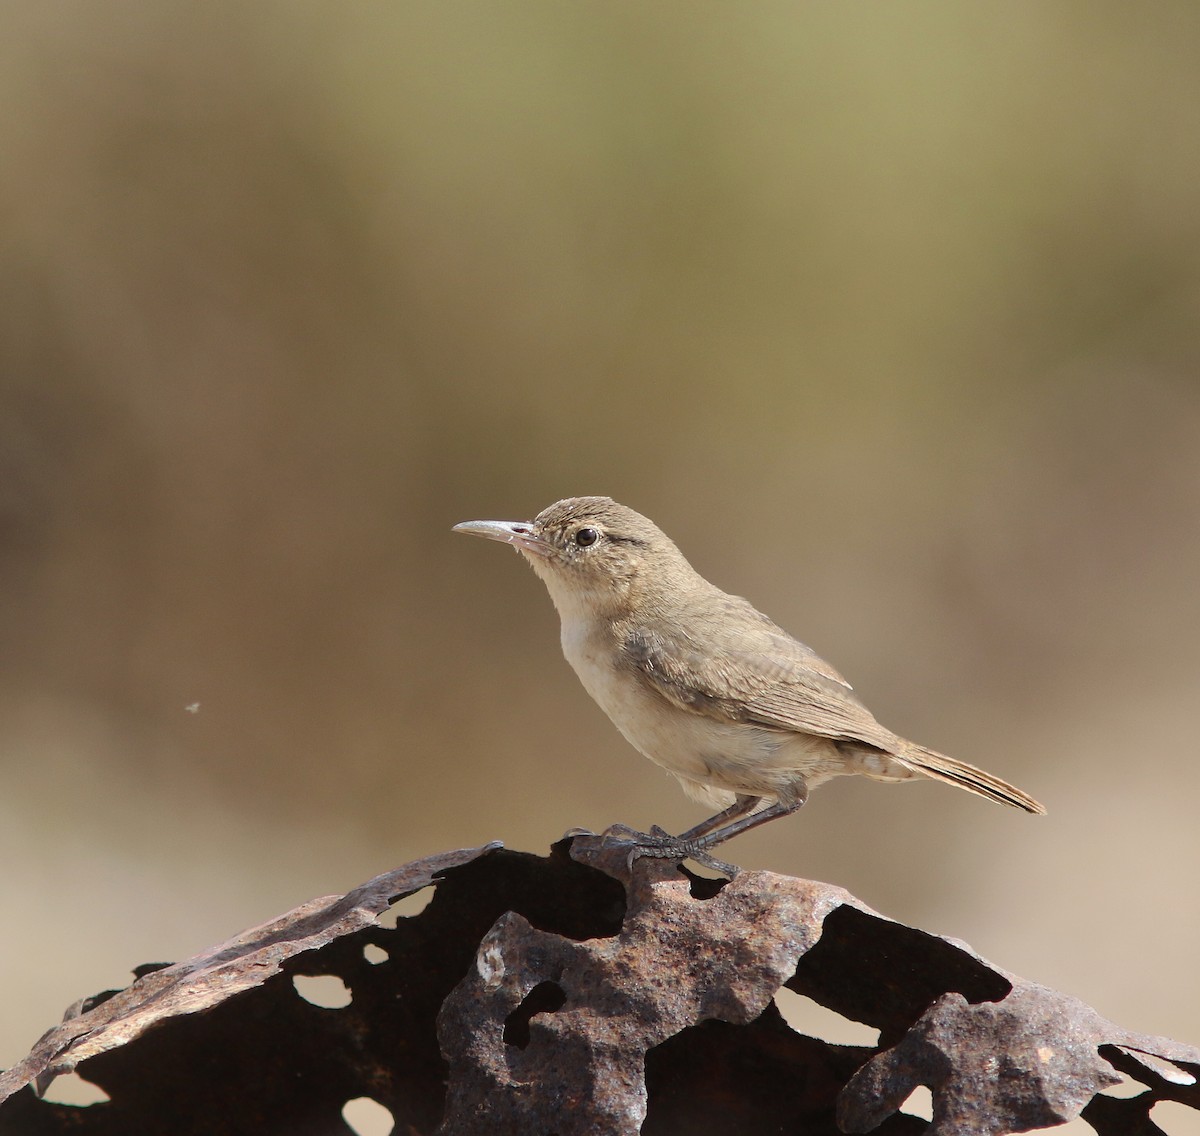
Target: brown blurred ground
888,314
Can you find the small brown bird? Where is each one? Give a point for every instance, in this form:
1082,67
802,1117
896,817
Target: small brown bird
746,717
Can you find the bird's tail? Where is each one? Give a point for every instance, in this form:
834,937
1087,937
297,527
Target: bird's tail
955,772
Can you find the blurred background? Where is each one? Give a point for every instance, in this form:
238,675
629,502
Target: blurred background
887,314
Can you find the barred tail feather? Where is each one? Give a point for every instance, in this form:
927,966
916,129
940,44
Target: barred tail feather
955,772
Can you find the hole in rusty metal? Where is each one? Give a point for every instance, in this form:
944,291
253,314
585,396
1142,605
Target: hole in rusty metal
761,1077
406,907
1128,1087
811,1018
1076,1127
72,1089
325,990
856,943
703,887
367,1117
919,1103
1175,1119
544,998
375,954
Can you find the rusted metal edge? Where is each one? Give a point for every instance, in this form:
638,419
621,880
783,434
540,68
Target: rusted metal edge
199,983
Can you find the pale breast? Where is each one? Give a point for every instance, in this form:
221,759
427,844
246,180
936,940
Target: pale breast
733,756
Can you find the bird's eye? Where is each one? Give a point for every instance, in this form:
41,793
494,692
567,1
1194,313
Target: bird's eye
585,537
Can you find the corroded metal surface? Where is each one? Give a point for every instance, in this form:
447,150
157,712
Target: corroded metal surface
1032,1060
677,961
597,995
96,1025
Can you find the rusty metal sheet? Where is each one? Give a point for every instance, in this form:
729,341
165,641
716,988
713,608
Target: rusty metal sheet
94,1025
586,992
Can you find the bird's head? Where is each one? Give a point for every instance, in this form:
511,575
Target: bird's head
597,557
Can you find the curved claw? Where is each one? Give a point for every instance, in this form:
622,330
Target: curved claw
708,860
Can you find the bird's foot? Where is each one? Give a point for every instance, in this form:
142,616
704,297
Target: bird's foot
660,844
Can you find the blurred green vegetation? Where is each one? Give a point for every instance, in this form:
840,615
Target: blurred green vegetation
887,313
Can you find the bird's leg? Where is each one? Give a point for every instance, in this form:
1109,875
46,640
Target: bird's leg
689,843
662,845
659,844
658,837
740,807
699,838
744,822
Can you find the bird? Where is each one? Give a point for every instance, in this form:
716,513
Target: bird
744,715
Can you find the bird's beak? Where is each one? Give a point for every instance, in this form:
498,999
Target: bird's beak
517,533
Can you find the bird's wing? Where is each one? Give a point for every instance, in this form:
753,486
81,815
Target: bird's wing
765,677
